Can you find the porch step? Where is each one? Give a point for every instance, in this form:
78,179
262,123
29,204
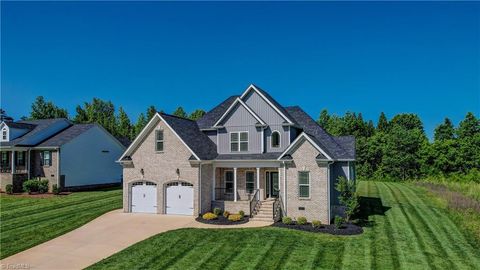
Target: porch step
261,219
265,211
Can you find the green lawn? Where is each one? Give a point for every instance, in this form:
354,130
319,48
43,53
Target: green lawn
26,222
407,230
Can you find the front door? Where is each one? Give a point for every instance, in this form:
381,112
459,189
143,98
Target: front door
272,187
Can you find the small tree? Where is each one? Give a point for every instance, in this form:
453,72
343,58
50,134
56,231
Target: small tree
348,197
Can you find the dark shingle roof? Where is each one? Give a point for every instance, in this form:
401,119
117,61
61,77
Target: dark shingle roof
348,144
38,126
66,135
209,119
190,133
326,141
264,156
19,125
276,104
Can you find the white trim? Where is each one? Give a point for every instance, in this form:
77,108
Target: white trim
147,127
258,180
348,173
267,100
7,135
200,189
304,135
279,139
263,141
309,185
239,142
234,184
214,180
285,186
238,100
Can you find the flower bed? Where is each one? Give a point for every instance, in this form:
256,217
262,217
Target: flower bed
221,220
345,229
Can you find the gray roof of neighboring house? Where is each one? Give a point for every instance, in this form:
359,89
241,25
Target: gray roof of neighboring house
212,116
66,135
38,126
264,156
190,133
332,145
19,125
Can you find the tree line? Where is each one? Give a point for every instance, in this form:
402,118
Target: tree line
397,148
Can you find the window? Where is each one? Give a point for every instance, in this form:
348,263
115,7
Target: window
4,134
159,140
304,184
20,158
46,158
250,182
228,182
275,139
5,159
239,141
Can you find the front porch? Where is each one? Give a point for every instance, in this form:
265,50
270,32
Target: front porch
13,169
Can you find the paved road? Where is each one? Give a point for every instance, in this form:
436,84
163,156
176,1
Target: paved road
100,238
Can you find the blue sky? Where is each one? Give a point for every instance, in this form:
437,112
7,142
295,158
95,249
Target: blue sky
364,57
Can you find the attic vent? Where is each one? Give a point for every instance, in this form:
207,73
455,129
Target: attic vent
105,151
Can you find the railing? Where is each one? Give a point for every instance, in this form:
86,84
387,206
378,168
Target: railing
254,202
278,210
9,170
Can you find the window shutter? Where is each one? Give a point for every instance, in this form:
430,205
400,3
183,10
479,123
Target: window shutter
41,158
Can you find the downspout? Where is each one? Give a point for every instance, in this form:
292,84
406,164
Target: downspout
329,191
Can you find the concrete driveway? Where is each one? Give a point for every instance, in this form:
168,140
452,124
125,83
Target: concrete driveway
100,238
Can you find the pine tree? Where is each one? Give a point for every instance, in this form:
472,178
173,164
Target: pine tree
444,131
4,116
382,123
324,119
141,123
180,112
151,111
124,127
469,126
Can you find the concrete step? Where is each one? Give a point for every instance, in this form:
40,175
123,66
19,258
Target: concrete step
265,212
262,219
264,216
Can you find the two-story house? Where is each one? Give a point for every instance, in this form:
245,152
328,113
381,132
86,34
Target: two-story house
248,153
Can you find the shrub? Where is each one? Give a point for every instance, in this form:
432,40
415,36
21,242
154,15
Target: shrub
287,220
9,189
301,220
338,221
30,185
316,223
226,214
43,186
241,213
209,216
235,217
347,197
56,189
217,211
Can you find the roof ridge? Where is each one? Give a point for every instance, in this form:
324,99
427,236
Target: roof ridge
179,117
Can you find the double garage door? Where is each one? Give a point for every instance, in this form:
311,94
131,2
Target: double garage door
179,198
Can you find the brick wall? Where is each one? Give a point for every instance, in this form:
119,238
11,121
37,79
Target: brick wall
46,171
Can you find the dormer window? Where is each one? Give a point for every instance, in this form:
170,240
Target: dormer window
239,141
275,139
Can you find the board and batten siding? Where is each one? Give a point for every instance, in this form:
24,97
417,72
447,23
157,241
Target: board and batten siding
337,169
263,109
90,159
284,138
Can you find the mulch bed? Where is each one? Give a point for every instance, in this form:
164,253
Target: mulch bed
347,229
221,220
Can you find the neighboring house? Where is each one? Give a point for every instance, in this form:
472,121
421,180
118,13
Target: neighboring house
248,153
69,155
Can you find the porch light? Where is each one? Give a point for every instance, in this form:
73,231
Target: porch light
142,172
178,171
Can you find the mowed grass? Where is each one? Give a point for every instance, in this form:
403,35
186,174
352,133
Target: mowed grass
406,230
26,222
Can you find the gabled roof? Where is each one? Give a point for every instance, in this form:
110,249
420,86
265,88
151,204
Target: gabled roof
271,101
334,148
305,137
38,126
239,101
66,135
211,117
201,147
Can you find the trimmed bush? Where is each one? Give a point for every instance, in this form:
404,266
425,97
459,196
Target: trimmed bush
241,213
30,186
235,217
43,186
338,221
209,216
316,223
301,220
287,220
9,189
56,189
217,211
226,214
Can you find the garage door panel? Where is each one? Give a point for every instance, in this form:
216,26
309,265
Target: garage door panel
144,197
179,199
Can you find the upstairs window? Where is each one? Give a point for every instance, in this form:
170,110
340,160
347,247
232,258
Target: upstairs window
159,140
46,158
275,139
239,141
304,184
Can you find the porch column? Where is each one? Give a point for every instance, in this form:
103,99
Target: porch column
258,183
234,184
13,162
214,180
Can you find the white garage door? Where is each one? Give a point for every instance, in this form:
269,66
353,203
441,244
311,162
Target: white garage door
144,197
179,198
